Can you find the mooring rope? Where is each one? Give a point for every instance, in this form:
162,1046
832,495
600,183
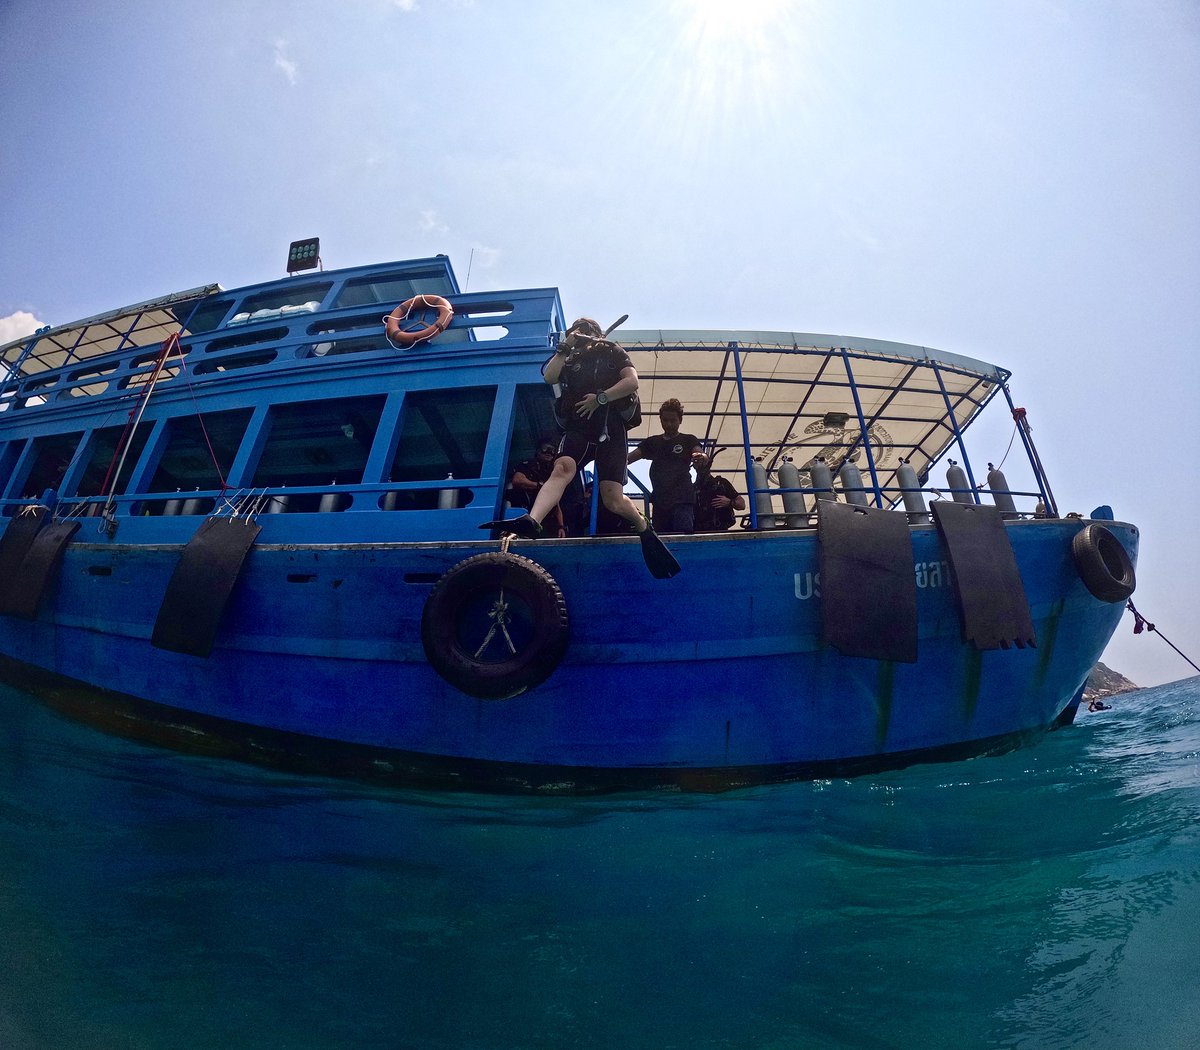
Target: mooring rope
1140,623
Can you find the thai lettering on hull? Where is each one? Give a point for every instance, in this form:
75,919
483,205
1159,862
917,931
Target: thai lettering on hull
928,574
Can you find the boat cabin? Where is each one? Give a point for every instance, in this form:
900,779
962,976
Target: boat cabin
287,399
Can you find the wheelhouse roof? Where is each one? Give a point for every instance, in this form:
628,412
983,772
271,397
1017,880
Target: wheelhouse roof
800,401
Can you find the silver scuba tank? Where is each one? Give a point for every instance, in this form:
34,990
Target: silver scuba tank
852,485
910,490
762,499
793,502
1001,495
822,478
956,481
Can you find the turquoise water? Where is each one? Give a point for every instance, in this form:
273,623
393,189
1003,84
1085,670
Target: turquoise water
1046,898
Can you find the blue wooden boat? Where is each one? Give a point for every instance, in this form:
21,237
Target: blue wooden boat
247,522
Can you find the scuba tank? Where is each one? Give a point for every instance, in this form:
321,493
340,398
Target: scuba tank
793,502
956,480
910,489
852,484
192,504
329,501
822,478
762,499
1001,495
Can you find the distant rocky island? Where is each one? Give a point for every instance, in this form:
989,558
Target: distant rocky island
1104,681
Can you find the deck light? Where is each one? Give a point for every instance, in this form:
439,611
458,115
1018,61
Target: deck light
304,255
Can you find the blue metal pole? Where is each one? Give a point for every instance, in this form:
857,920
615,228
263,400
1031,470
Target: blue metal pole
864,437
962,448
741,389
1035,461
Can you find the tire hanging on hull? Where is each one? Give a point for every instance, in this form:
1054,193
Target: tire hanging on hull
495,625
1103,564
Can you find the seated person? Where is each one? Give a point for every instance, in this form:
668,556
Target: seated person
716,498
528,478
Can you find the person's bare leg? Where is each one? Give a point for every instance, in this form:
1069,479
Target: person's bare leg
551,492
614,498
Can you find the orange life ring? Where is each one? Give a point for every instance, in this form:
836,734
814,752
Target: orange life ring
410,337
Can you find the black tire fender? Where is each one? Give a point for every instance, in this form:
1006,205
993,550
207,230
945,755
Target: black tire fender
1103,564
495,625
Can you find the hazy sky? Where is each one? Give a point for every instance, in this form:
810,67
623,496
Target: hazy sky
1013,180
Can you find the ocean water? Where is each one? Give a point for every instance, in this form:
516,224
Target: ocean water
1045,898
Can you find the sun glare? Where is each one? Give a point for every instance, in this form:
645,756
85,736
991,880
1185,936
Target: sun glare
736,57
732,23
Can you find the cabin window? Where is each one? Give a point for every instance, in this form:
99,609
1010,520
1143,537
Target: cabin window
51,457
533,422
443,433
187,464
392,289
103,455
318,443
281,302
207,315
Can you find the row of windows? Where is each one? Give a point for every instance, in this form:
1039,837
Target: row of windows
315,444
387,289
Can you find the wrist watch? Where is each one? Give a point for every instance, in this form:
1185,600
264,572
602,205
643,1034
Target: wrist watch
601,398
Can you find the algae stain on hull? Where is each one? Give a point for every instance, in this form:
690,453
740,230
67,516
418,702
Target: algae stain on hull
972,680
1049,635
883,701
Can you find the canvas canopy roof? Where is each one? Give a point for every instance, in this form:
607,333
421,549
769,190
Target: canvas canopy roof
143,324
807,395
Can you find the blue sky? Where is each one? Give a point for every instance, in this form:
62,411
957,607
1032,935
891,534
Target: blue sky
1013,180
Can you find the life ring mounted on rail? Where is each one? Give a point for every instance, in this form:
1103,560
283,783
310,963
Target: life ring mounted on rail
1103,564
406,325
495,625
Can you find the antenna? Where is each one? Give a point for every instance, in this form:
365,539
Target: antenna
470,263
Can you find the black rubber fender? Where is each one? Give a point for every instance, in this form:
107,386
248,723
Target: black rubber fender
1103,564
495,625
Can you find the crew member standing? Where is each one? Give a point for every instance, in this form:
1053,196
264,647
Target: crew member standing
670,455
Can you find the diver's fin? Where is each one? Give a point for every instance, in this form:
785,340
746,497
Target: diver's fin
660,561
524,527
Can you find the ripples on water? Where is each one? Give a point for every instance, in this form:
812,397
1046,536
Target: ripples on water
1046,898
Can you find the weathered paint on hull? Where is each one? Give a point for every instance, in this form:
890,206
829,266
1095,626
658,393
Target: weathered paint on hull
714,678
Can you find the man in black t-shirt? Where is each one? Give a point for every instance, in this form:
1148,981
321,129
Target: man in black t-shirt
670,455
716,498
596,376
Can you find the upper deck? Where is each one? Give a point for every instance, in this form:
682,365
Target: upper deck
287,396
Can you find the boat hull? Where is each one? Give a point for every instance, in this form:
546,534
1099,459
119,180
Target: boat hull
715,678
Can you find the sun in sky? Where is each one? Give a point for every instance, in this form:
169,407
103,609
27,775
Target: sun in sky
725,24
734,60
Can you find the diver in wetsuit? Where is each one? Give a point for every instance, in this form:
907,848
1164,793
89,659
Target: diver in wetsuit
594,373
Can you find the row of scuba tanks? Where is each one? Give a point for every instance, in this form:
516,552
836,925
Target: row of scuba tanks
447,499
795,506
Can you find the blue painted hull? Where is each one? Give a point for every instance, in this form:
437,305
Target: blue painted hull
718,673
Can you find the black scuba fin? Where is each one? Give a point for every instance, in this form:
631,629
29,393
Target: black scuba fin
660,561
524,527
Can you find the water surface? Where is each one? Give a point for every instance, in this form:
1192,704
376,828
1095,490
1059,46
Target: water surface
1046,898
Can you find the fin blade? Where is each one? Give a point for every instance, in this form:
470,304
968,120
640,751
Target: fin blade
660,561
